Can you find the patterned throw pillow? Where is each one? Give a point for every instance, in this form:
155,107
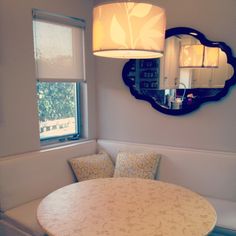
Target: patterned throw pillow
137,165
92,166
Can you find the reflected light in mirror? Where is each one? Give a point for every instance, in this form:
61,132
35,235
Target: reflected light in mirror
211,57
198,56
128,30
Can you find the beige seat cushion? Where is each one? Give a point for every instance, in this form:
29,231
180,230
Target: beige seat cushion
137,164
92,166
24,217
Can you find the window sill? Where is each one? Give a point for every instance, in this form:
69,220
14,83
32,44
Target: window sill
46,146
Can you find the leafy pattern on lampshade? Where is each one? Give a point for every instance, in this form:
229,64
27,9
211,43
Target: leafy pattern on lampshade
128,26
117,33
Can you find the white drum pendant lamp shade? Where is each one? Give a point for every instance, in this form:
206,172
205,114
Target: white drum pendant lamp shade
128,30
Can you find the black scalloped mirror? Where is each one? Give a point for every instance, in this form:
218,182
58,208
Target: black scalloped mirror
193,70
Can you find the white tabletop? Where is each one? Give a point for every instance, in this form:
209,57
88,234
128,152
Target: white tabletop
125,207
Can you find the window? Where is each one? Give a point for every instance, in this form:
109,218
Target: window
59,57
57,106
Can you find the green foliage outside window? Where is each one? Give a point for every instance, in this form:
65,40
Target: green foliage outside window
56,100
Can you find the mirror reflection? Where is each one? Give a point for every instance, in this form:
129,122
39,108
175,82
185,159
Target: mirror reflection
190,69
188,73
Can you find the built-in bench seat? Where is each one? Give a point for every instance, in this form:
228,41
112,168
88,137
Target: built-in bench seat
209,173
24,217
25,179
226,213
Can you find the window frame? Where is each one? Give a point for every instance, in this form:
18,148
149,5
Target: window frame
73,22
67,137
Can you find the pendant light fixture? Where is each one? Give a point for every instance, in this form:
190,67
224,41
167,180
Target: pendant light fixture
128,30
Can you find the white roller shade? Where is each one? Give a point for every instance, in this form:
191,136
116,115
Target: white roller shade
59,48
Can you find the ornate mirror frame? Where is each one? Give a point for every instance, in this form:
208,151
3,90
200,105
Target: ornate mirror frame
130,80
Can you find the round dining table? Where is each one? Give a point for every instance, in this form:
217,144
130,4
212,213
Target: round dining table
125,207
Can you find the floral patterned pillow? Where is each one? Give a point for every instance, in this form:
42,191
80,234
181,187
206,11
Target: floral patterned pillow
92,166
137,165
